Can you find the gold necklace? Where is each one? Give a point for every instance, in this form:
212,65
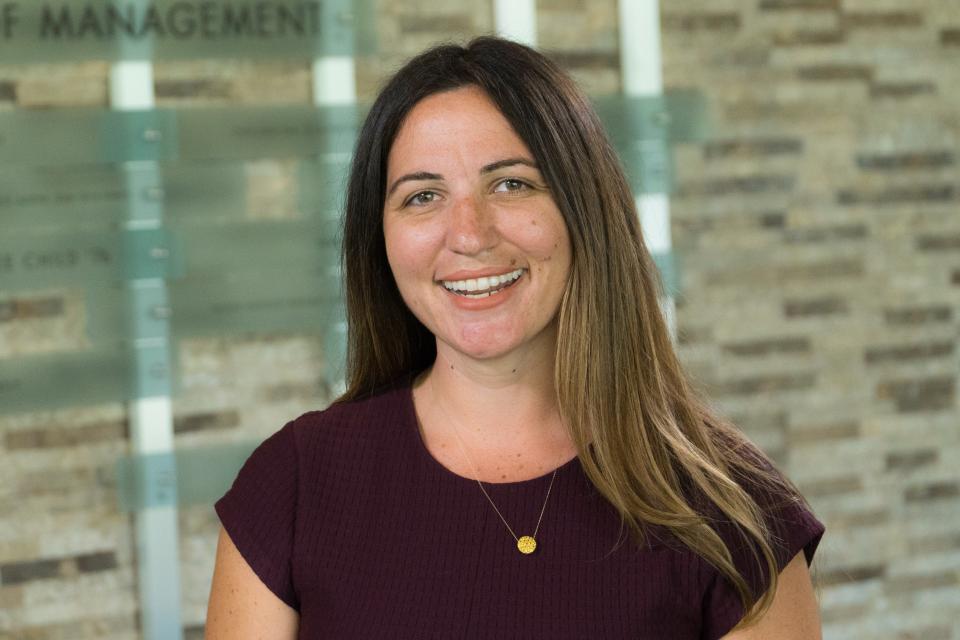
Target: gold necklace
526,544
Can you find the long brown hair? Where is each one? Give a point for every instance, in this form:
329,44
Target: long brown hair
645,438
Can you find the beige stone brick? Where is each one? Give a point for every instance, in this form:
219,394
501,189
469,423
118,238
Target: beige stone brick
232,82
62,85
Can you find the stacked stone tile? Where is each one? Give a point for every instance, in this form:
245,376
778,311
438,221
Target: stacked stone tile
818,230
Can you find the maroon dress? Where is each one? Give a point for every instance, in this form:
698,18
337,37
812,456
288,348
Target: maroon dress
346,516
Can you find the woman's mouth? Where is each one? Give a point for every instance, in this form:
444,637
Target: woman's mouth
482,287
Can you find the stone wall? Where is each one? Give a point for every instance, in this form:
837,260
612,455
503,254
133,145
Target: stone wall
819,233
819,241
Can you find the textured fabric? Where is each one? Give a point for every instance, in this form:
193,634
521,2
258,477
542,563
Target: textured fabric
346,516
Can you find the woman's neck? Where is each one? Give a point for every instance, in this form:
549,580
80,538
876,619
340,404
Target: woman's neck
496,405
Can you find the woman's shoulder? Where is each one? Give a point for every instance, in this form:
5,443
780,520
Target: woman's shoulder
790,522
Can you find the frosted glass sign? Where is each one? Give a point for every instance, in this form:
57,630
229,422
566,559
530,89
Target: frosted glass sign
74,30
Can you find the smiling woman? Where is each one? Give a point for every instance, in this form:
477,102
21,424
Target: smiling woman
513,400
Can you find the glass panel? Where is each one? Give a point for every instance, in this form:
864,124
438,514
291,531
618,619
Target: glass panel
38,260
49,138
93,136
669,267
53,199
200,192
251,247
648,164
678,115
97,197
79,378
642,128
86,136
186,477
35,260
151,253
267,133
323,185
137,135
106,313
269,301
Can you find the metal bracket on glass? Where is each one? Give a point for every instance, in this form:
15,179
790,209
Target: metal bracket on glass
151,253
127,136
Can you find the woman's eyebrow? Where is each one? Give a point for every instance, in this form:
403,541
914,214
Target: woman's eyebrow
420,175
499,164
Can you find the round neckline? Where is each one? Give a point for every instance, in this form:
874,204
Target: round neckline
413,428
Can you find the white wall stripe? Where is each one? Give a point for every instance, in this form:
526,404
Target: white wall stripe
642,72
335,84
151,418
516,20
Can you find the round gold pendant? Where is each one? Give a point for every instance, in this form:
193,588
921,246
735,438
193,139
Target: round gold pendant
526,544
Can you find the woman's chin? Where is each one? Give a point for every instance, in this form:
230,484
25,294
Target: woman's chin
479,346
483,351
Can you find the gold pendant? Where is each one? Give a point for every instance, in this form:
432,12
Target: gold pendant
526,544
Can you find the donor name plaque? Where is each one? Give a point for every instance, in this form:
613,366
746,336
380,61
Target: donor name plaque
68,30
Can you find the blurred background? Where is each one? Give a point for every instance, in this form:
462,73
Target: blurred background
171,175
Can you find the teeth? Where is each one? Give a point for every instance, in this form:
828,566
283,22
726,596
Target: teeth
481,284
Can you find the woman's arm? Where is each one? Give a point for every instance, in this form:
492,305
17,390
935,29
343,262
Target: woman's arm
794,614
241,606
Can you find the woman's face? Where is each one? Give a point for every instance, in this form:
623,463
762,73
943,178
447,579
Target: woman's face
478,248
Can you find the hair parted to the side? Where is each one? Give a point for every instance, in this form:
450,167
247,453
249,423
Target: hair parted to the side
645,438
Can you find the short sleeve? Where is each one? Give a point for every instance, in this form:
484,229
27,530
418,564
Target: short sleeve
794,528
259,512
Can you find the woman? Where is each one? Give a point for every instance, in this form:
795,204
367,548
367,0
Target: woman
518,453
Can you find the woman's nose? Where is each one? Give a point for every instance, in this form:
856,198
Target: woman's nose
471,227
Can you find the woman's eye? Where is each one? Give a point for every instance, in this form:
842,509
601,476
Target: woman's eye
511,184
422,198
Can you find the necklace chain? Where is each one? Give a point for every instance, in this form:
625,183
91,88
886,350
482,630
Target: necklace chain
492,503
476,474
